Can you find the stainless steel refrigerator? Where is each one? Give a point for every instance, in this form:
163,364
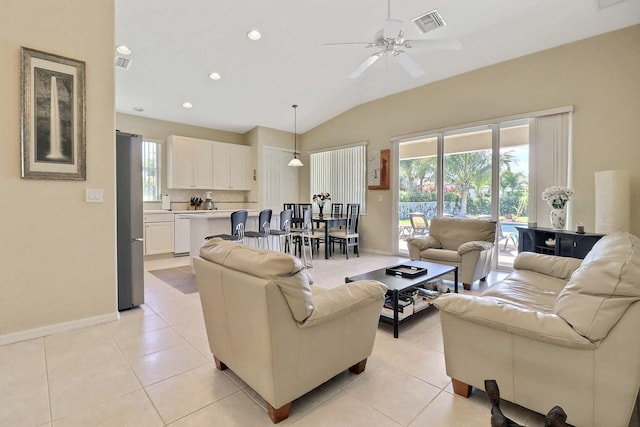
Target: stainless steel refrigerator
130,224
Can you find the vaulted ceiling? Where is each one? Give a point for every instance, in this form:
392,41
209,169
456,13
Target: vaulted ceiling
175,45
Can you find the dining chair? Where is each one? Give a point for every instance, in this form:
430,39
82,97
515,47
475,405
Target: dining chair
348,237
305,237
264,228
238,224
336,209
284,232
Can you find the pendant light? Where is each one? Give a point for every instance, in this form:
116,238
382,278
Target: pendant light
295,161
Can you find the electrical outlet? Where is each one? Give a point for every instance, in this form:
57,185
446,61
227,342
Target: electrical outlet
380,198
94,195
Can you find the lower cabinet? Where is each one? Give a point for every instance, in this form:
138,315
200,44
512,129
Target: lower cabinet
565,243
158,234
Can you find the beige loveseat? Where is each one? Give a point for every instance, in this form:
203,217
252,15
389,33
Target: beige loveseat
556,331
467,243
282,336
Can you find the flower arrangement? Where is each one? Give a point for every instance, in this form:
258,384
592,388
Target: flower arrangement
557,196
321,198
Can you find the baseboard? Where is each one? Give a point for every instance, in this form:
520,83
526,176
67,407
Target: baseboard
57,328
376,252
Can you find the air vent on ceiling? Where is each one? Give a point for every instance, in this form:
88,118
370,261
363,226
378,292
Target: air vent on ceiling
429,21
123,63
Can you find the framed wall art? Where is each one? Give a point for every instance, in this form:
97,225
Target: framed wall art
378,170
52,119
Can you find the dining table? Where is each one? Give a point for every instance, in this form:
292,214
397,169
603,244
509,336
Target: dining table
329,221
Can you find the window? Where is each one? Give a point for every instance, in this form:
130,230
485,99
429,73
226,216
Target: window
342,173
151,185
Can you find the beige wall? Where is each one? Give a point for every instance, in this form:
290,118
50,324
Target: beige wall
58,252
599,76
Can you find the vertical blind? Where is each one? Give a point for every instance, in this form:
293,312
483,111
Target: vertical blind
341,173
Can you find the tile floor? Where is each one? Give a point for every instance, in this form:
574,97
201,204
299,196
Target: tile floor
153,368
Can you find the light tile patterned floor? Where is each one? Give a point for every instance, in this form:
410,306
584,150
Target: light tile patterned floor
153,368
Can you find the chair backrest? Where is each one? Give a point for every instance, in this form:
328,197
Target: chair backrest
307,219
336,209
453,232
418,221
238,218
303,207
285,220
264,221
353,217
293,207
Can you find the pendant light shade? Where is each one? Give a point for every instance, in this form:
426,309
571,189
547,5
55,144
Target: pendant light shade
295,161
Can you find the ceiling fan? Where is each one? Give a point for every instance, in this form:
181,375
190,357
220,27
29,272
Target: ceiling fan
390,40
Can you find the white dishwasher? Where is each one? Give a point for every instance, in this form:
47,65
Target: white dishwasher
180,236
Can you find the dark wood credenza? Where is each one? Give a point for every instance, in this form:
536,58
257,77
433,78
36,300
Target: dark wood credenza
568,243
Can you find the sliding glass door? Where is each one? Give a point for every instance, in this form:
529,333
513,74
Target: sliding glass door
479,172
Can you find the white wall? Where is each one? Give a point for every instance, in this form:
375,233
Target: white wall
58,253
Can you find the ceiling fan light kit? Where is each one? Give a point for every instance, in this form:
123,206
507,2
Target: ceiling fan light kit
391,40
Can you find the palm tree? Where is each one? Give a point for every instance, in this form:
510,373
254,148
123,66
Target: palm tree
466,171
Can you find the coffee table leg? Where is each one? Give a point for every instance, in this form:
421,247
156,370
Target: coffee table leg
396,321
455,277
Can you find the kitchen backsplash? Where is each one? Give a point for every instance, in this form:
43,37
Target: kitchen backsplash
223,200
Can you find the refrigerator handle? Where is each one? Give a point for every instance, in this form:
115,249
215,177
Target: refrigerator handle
137,239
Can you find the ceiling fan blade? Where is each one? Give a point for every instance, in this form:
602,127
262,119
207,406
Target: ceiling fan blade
434,44
392,28
408,63
366,64
353,44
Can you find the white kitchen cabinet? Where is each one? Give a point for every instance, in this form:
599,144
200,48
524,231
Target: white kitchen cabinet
158,233
230,166
189,163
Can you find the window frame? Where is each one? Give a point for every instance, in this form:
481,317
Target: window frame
157,175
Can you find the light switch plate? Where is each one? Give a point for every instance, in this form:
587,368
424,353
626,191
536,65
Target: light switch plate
94,195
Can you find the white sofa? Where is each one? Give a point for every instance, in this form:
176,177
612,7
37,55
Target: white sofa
280,335
556,331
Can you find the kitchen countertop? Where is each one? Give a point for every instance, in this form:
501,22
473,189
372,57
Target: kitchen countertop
192,212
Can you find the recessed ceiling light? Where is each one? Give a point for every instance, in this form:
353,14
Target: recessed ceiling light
138,109
187,105
215,76
254,35
123,50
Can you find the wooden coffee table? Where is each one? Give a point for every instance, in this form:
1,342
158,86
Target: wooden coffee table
398,284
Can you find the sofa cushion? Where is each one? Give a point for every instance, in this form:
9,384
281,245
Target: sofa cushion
601,290
453,232
528,289
285,270
441,255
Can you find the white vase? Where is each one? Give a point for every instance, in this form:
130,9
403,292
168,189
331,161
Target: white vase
558,218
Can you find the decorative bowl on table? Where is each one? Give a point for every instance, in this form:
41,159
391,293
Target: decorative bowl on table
550,242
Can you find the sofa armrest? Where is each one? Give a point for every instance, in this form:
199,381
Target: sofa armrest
424,242
476,245
334,302
418,244
501,315
551,265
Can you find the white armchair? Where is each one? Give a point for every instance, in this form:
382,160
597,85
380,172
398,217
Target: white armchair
277,333
467,243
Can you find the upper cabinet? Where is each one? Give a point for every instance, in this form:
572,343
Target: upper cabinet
189,163
208,165
230,166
